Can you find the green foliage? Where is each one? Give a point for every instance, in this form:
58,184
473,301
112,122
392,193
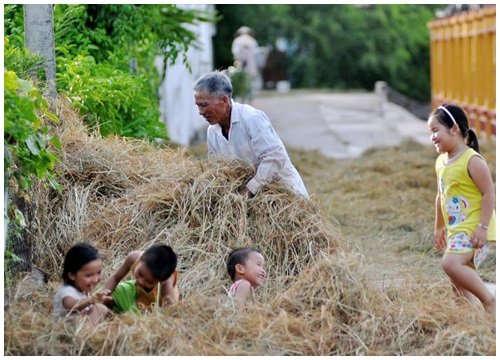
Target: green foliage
105,57
113,101
341,46
20,61
134,31
241,82
8,259
105,61
14,24
26,138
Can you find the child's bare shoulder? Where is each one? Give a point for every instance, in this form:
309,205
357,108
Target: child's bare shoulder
133,256
244,284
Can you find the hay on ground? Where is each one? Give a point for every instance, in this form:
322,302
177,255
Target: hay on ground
124,195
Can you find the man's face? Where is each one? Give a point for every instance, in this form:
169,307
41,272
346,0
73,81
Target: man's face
213,109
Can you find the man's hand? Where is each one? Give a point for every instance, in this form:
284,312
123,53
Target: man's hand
246,193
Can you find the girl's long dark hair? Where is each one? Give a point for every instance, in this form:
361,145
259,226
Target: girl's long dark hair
462,121
76,257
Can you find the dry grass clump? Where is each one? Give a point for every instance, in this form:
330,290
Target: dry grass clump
319,298
339,288
124,195
384,202
329,310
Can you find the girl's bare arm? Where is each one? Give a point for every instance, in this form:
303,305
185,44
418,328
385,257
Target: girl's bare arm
480,174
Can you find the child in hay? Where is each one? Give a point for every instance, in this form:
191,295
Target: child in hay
81,274
246,269
465,216
155,280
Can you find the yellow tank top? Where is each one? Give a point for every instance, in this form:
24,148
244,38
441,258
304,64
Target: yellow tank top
146,299
460,196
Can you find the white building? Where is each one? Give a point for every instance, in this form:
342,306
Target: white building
178,111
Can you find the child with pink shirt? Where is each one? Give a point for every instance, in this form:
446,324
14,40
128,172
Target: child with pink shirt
246,268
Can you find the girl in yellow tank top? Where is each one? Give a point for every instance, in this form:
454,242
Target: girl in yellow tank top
465,217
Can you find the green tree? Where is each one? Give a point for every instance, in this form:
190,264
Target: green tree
105,56
340,46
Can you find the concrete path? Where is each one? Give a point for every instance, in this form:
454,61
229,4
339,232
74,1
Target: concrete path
339,125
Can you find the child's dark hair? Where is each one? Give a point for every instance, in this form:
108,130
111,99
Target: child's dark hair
76,257
238,256
160,260
457,114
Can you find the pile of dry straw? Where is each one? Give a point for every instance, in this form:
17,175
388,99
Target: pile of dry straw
124,195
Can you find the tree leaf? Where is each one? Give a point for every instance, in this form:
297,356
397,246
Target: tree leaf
31,143
25,85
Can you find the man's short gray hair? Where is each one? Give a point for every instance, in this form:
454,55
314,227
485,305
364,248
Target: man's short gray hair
216,83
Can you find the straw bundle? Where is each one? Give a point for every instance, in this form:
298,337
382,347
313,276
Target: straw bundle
415,319
124,195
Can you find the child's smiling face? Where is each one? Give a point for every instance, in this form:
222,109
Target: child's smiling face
440,135
87,278
254,269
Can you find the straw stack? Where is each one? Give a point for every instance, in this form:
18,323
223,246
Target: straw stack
124,195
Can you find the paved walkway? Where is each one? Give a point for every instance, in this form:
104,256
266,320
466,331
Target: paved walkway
339,125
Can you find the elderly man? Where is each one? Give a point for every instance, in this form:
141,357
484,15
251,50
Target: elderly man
243,132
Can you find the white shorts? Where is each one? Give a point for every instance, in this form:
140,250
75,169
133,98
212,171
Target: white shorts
460,244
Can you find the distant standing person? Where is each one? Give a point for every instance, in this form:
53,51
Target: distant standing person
243,132
465,203
244,49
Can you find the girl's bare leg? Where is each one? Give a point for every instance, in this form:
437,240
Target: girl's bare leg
461,292
467,281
